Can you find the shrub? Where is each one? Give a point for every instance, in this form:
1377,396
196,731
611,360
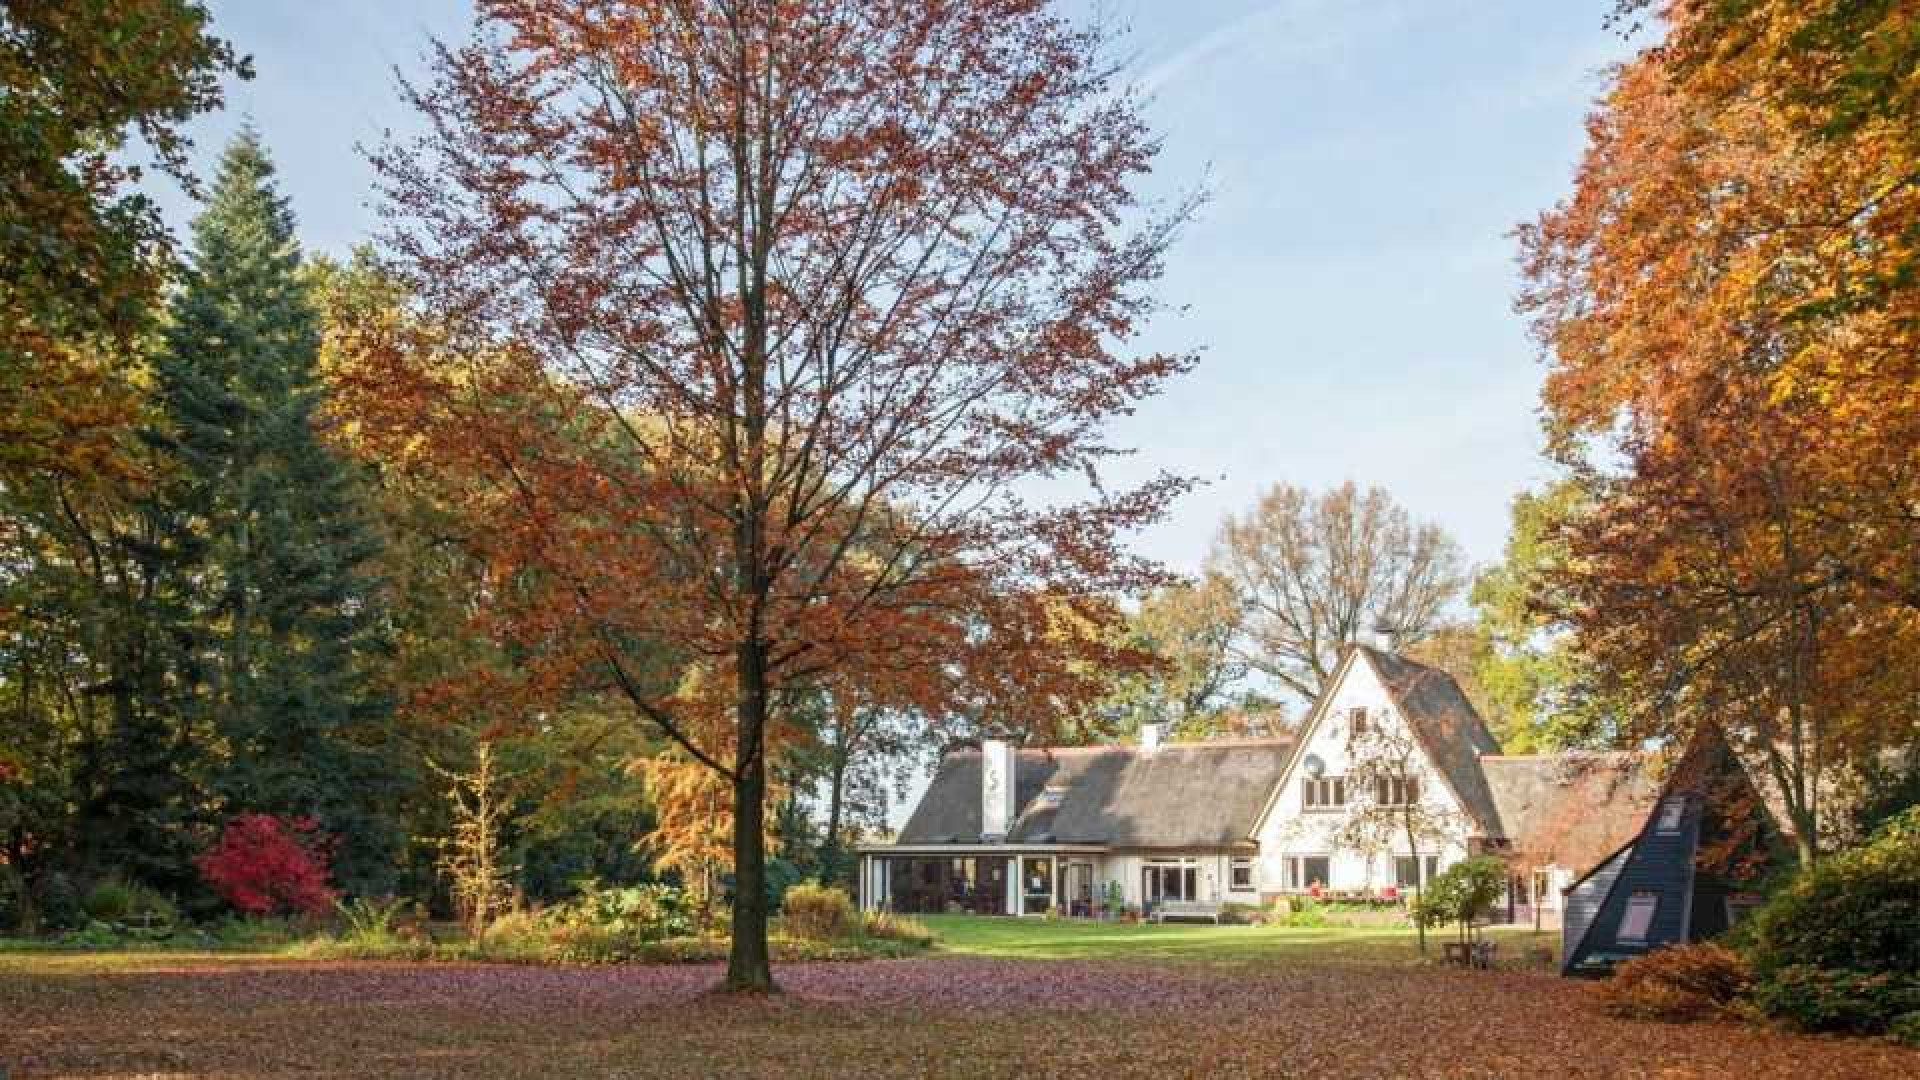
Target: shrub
886,926
125,905
250,931
1243,914
109,899
370,922
1462,892
13,893
1827,999
58,901
264,865
1854,911
1906,1028
641,912
1682,982
814,912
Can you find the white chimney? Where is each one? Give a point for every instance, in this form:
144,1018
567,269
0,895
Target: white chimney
996,788
1150,736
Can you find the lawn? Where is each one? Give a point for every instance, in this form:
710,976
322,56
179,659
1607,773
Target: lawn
1005,997
1216,946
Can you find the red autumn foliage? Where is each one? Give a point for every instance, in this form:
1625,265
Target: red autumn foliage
773,352
264,865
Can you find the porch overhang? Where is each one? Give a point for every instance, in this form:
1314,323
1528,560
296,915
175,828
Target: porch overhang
966,850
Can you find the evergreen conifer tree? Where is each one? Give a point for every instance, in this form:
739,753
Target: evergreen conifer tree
291,618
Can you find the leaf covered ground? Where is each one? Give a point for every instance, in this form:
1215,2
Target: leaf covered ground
1295,1011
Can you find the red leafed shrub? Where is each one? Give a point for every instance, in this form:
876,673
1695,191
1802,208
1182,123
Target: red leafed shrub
264,865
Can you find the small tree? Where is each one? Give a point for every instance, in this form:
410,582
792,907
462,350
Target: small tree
470,858
1386,789
265,865
1462,893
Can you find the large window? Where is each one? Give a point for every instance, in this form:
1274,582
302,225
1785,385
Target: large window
1639,917
1170,879
1322,793
1396,790
1303,872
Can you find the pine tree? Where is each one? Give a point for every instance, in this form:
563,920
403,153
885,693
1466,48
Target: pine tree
291,617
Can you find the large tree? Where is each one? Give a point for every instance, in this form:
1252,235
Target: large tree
817,292
1314,573
273,521
1728,302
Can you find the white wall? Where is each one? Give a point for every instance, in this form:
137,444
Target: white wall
1289,830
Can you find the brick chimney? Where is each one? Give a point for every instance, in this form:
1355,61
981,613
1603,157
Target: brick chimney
996,788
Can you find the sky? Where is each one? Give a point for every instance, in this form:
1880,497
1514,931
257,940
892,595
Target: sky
1349,283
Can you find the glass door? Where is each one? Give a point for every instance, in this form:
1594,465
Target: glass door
1036,884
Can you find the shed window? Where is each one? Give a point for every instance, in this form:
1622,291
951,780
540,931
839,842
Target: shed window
1639,916
1671,811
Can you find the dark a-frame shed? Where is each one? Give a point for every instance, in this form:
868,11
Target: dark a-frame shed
1682,877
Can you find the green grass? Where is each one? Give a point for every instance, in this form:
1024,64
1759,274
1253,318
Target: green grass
961,935
1204,943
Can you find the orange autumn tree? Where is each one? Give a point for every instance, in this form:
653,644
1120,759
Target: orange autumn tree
693,823
761,325
1731,379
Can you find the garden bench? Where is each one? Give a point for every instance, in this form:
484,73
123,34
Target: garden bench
1186,909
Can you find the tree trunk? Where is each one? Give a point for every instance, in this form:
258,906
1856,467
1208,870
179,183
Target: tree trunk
749,968
830,845
1419,884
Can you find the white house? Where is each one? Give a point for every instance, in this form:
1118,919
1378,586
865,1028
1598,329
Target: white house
1392,747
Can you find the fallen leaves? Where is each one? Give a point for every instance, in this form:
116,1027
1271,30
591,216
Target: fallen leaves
959,1016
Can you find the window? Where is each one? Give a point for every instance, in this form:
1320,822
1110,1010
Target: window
1639,916
1323,792
1357,720
1303,872
1240,874
1543,889
1396,790
1406,870
1671,811
1170,879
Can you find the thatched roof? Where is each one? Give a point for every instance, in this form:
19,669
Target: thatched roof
1180,795
1573,809
1447,727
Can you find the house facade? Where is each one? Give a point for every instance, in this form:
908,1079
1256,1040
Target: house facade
1391,778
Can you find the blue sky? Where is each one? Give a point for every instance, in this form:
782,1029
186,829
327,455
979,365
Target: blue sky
1350,282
